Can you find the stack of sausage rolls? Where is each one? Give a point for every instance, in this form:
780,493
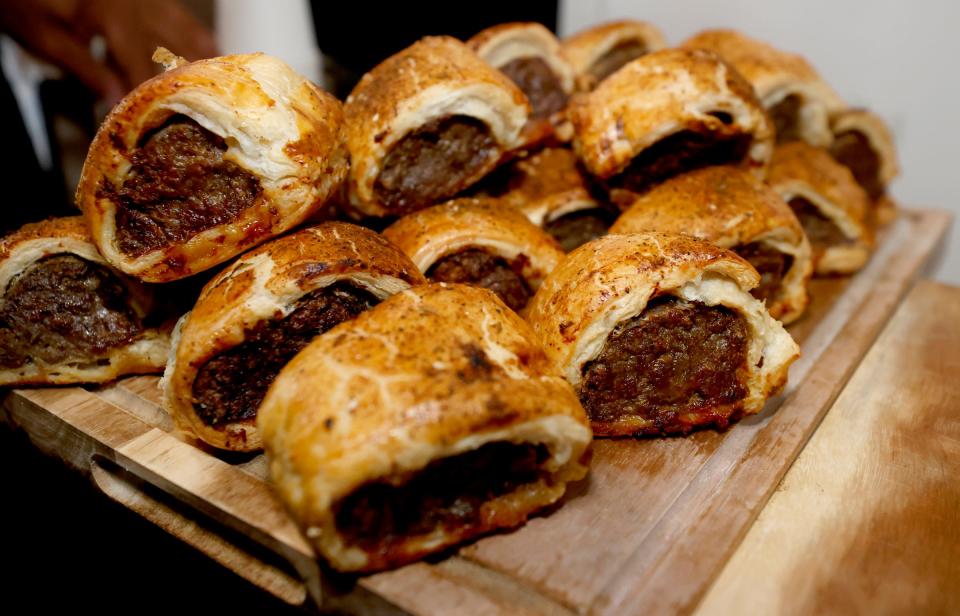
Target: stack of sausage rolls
599,236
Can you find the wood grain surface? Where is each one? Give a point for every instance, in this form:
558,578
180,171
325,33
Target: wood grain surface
647,531
867,521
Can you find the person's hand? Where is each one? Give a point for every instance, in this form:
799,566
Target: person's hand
60,31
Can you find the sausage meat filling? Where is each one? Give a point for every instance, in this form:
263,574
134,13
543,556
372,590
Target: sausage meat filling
178,186
231,385
434,163
64,308
821,231
772,264
678,364
577,228
852,150
680,152
482,269
539,83
447,495
786,118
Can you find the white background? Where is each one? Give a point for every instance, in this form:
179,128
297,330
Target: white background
898,58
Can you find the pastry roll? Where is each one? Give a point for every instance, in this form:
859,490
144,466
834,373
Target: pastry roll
549,188
67,316
478,242
531,57
659,334
798,99
254,316
831,206
598,52
639,127
207,160
427,123
863,144
732,209
424,422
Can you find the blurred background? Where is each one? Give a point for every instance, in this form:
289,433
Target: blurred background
894,57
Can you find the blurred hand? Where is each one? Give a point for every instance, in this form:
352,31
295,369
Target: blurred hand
60,31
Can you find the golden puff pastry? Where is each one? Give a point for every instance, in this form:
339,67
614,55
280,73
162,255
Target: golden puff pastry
207,160
862,143
67,316
730,208
668,112
659,334
427,123
424,422
831,206
253,317
598,52
550,189
530,55
478,242
798,99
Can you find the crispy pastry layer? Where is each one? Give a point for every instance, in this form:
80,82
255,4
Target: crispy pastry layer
732,209
262,287
283,147
434,79
431,373
598,52
138,349
798,98
825,195
609,281
431,235
674,93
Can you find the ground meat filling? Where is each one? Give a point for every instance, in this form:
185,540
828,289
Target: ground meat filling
480,268
852,150
821,231
621,53
772,264
448,495
231,386
786,119
64,308
680,152
577,228
178,186
674,359
538,81
434,163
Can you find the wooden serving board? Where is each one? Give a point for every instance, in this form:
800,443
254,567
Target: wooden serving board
648,530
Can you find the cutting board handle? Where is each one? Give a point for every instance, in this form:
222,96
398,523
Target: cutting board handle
195,529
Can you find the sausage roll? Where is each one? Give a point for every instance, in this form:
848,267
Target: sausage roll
598,52
531,57
207,160
732,209
863,144
424,422
640,127
478,242
66,315
798,99
831,206
427,123
253,317
550,189
659,334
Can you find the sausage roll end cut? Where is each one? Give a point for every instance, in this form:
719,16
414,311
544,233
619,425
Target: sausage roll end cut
67,316
600,51
658,334
426,421
254,316
208,160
